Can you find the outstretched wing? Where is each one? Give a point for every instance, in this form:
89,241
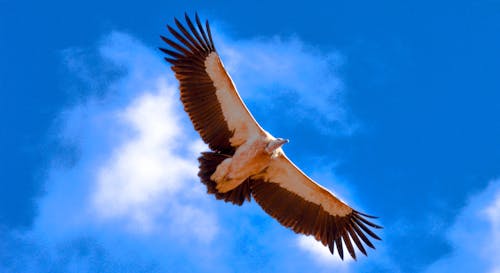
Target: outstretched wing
207,91
299,203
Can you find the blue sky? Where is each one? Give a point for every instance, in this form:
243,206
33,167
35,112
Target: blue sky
394,106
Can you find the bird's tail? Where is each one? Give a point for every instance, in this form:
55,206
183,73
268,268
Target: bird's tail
208,163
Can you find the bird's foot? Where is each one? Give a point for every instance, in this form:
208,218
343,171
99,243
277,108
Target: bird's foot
227,185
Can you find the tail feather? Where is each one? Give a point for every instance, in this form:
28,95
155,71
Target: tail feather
208,163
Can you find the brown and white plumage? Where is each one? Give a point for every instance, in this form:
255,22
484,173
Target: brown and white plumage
245,160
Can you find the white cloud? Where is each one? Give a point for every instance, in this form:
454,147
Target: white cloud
147,168
322,255
492,213
135,155
146,173
475,235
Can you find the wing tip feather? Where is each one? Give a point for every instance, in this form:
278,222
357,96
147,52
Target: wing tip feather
340,233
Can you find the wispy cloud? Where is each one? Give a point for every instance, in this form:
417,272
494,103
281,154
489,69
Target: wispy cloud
475,235
274,71
133,173
149,167
322,254
148,162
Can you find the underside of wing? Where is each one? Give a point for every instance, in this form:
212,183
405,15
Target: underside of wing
299,203
207,92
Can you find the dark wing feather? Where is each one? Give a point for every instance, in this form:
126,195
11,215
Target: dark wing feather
198,92
207,92
297,202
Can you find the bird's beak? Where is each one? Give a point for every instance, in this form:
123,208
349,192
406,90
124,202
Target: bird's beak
283,141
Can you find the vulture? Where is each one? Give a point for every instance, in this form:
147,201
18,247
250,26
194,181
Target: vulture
245,161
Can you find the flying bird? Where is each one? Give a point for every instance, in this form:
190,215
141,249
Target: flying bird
246,161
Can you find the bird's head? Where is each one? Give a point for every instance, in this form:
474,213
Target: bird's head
274,144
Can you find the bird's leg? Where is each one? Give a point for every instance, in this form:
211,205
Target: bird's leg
221,171
227,185
222,176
